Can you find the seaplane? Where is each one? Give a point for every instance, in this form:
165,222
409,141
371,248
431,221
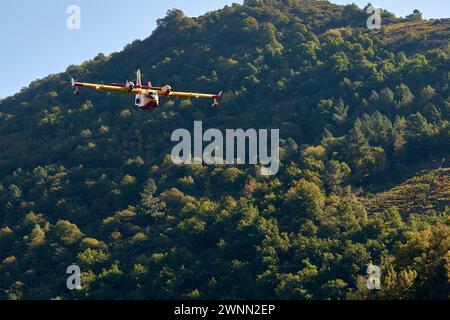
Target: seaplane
147,97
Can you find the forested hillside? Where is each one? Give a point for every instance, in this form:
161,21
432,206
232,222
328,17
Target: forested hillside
88,179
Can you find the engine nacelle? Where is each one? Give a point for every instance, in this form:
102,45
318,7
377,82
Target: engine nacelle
129,85
166,89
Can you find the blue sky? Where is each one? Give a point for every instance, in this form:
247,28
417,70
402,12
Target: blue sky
35,41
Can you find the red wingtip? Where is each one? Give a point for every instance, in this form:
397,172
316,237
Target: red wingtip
217,99
75,85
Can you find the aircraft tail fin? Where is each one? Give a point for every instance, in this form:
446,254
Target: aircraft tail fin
138,79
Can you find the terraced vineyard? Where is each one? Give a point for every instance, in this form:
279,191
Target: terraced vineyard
430,34
417,194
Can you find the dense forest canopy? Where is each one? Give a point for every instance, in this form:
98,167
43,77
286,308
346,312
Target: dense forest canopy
89,180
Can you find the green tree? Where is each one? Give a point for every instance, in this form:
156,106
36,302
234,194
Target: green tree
66,232
150,205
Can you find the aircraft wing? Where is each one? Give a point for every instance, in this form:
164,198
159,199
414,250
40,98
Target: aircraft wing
113,88
192,95
142,87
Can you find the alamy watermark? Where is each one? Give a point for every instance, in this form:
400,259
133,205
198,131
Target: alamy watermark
374,277
74,280
74,20
190,149
374,20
